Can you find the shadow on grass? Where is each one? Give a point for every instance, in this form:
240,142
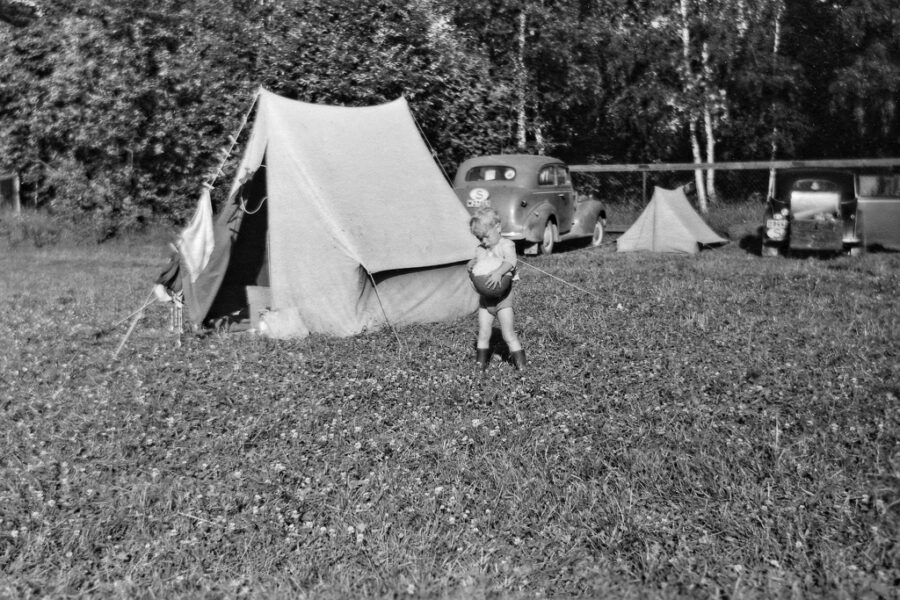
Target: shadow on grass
499,349
748,237
577,244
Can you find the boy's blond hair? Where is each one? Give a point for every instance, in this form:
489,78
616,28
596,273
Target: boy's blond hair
483,221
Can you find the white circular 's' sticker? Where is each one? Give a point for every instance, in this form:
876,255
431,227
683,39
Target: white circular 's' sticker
479,194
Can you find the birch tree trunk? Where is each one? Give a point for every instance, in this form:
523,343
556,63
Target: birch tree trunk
776,43
521,85
539,143
709,126
690,110
698,173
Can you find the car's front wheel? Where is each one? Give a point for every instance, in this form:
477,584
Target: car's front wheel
549,240
770,251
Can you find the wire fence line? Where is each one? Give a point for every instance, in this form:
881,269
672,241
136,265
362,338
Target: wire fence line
635,188
632,184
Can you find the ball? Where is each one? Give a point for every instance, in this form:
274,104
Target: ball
479,276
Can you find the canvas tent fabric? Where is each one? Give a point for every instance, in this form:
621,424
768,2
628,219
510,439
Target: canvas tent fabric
668,224
344,215
196,241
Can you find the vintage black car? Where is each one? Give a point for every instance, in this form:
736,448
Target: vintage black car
811,210
534,195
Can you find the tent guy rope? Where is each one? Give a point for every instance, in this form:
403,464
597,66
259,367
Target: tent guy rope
226,153
384,312
560,279
150,300
431,149
134,321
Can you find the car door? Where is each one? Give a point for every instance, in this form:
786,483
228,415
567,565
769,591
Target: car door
565,198
545,192
878,212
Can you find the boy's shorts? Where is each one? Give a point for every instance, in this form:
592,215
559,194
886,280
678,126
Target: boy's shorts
494,305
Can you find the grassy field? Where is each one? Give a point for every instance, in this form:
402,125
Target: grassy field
712,426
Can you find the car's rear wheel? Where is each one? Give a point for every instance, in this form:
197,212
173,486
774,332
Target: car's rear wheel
549,240
597,238
770,251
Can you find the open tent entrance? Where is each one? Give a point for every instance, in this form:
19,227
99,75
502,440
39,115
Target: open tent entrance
248,262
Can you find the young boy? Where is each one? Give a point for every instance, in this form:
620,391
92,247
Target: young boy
485,225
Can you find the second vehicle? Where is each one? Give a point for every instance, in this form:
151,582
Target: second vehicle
534,196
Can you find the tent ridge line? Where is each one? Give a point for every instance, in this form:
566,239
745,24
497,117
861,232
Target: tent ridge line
232,139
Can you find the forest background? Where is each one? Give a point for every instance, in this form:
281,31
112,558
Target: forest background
113,113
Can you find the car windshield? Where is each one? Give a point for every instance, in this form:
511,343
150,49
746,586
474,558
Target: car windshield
491,173
815,185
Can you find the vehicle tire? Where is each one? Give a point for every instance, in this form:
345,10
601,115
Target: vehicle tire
549,240
597,238
770,251
856,251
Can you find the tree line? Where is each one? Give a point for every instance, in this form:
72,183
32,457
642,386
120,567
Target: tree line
115,112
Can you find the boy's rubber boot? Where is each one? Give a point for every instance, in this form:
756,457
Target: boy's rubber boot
483,357
518,358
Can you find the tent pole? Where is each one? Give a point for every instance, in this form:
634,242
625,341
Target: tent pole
645,186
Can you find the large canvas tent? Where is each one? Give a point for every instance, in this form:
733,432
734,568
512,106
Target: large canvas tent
343,218
668,224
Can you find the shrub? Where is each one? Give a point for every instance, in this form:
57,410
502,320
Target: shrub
30,227
725,217
98,204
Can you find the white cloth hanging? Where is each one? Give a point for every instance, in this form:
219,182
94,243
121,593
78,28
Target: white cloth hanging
195,243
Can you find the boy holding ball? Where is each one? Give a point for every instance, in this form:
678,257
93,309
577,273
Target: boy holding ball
496,300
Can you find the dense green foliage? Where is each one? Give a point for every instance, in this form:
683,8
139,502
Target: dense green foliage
707,427
115,111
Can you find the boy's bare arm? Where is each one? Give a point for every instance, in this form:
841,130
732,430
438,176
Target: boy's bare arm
504,268
509,254
498,273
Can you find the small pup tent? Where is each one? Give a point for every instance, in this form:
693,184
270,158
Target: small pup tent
668,224
343,220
